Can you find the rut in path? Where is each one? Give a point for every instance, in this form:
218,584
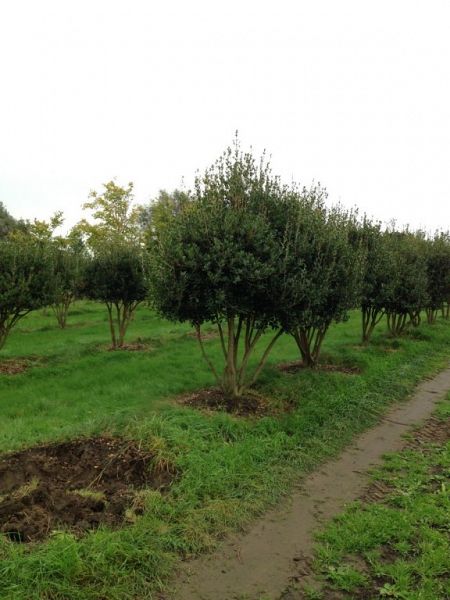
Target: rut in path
261,563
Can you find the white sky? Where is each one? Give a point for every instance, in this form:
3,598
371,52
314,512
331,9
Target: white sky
353,94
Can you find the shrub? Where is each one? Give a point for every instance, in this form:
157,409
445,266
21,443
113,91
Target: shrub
25,282
438,275
117,277
376,277
218,260
67,275
406,294
326,279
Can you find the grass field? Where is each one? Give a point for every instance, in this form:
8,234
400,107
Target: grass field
398,546
230,468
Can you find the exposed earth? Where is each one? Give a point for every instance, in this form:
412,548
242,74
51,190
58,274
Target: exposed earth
76,485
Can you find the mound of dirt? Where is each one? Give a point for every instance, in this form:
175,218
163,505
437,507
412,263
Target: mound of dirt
13,366
213,399
132,347
74,485
298,365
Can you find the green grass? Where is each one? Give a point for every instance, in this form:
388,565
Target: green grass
230,468
399,547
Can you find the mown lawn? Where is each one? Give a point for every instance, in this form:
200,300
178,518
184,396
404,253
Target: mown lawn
399,546
230,468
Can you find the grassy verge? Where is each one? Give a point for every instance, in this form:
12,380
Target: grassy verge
398,546
231,468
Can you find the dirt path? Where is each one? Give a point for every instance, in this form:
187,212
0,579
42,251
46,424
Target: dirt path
260,564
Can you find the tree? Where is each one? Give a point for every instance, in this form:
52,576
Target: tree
217,262
66,253
156,217
116,220
406,295
376,275
329,258
67,265
116,276
438,275
25,282
8,223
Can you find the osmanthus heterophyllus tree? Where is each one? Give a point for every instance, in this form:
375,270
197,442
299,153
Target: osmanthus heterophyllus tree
330,257
26,283
220,261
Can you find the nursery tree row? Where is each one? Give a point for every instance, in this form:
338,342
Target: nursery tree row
242,251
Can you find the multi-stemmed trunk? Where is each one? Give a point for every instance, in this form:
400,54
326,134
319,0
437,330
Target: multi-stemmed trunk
7,322
397,323
120,315
309,341
445,310
238,338
415,318
61,309
371,316
431,315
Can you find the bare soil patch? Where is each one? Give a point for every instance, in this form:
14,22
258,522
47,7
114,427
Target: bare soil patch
132,347
213,399
13,366
297,365
138,345
75,485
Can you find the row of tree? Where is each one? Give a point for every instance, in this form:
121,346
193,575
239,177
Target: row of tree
242,251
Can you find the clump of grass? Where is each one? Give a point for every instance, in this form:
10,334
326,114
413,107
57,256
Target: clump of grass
23,491
91,494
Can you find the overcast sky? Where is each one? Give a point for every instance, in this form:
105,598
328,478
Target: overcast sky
353,94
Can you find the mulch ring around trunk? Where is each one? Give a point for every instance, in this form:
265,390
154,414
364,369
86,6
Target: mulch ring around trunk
76,485
298,365
131,347
15,366
214,400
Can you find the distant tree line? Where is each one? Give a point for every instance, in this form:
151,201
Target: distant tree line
241,251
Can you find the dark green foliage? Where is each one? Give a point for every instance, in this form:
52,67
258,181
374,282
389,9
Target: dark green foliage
116,276
218,259
25,282
406,293
8,223
325,279
375,283
67,276
438,274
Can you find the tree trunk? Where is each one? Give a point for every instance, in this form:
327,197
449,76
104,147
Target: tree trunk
309,341
3,336
396,323
415,318
61,310
431,315
371,316
234,381
111,327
